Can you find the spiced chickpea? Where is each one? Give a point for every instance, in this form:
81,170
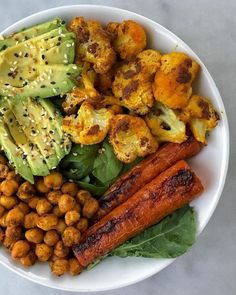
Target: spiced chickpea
15,217
72,217
66,203
61,226
14,175
31,220
9,187
29,259
2,235
26,191
43,252
90,207
51,237
71,236
47,222
12,235
33,202
43,206
77,207
3,160
74,267
20,249
69,188
23,207
54,196
3,171
57,211
54,180
60,250
8,202
59,267
83,196
3,220
34,235
82,224
2,210
41,187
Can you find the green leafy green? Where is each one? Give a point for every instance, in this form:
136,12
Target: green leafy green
168,239
106,166
127,167
95,188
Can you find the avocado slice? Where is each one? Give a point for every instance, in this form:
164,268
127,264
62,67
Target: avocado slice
29,33
50,80
32,153
14,154
35,131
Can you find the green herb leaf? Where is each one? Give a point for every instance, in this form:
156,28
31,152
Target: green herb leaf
168,239
94,189
106,166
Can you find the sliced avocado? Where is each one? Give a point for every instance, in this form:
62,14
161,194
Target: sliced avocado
32,153
34,130
14,154
30,33
49,81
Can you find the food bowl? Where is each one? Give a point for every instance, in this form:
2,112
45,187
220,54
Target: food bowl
211,164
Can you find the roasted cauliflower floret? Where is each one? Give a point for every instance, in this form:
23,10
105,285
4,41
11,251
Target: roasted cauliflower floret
172,84
90,126
165,125
93,44
130,138
133,82
201,116
129,38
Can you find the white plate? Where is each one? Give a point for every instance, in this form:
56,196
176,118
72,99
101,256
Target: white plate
211,164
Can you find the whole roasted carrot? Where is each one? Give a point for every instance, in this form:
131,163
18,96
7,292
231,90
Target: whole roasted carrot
169,191
144,172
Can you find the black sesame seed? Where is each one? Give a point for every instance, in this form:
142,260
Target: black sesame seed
58,44
6,84
46,62
27,54
44,161
43,56
53,82
51,132
24,83
16,54
4,47
1,114
25,115
26,38
42,86
50,118
10,74
59,38
46,157
68,74
11,120
34,69
21,78
63,22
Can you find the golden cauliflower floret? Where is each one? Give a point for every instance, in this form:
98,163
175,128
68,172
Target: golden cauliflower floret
90,126
129,38
133,82
173,80
165,124
93,44
130,138
201,116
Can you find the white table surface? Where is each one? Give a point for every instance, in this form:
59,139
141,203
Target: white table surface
209,27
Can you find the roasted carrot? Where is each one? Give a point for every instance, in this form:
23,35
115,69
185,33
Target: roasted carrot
144,172
169,191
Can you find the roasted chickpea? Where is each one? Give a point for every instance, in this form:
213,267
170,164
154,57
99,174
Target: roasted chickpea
33,202
61,226
26,191
51,237
71,236
47,222
3,171
66,203
23,207
34,235
9,187
20,249
82,224
12,235
60,250
43,206
74,267
2,210
3,160
70,188
59,267
53,180
41,187
15,217
57,211
72,217
77,207
29,259
14,175
83,196
53,258
8,202
2,235
90,207
3,220
31,220
54,196
43,252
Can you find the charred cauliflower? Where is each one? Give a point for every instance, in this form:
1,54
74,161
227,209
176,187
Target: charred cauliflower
165,124
201,116
172,84
90,126
130,138
93,44
133,82
129,38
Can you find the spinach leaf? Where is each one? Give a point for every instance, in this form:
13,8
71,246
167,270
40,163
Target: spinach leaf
95,189
168,239
106,166
129,166
79,163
